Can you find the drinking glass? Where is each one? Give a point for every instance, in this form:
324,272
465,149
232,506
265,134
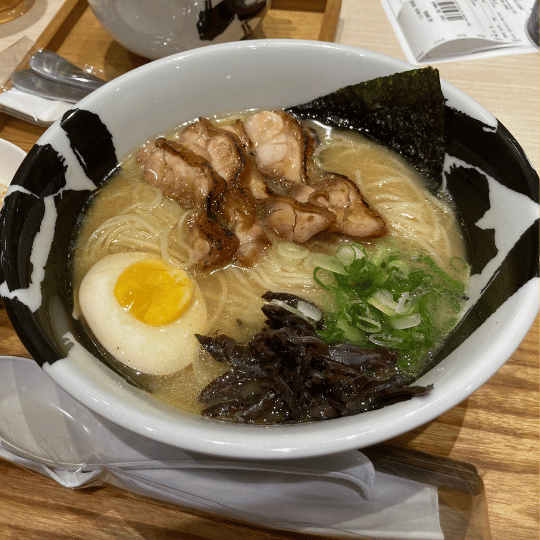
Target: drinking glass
11,9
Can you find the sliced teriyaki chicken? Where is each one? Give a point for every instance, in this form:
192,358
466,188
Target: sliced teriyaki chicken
238,211
239,131
180,168
193,182
226,148
297,221
354,217
212,243
230,174
333,205
281,144
214,157
178,171
217,146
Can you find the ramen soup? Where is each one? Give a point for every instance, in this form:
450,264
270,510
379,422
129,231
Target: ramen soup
176,251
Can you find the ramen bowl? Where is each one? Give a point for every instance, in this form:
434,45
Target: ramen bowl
496,194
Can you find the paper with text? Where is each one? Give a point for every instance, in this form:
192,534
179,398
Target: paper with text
437,30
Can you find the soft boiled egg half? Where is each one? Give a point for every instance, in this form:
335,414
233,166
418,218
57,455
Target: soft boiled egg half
143,311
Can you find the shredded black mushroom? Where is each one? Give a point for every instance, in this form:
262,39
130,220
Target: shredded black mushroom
286,374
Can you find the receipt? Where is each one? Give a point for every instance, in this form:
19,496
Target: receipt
434,30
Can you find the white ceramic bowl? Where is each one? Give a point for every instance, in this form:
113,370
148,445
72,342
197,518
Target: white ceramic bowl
496,191
158,28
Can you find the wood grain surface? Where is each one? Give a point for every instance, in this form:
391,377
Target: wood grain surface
496,428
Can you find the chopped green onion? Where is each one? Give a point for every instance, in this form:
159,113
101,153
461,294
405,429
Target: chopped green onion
380,255
381,277
350,333
323,277
310,311
406,304
384,340
371,325
383,301
401,267
403,302
348,254
329,262
389,298
408,321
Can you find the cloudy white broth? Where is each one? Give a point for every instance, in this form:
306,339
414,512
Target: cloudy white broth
138,219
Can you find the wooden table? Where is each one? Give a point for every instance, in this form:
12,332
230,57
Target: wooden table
496,428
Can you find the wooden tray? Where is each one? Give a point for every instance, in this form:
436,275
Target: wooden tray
76,34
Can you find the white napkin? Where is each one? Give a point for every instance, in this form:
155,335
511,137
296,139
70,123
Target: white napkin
34,109
43,429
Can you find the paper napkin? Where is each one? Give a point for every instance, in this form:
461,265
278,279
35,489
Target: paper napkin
45,430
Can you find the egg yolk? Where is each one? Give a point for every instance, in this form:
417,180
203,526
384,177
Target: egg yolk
153,292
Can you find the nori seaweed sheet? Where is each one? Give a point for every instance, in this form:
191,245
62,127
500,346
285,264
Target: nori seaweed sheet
404,111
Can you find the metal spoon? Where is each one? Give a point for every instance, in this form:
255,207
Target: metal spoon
53,77
32,83
52,66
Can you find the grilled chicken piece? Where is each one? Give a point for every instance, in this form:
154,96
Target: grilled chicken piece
239,131
333,205
180,168
179,172
239,212
216,145
281,145
244,184
354,217
300,192
212,243
226,225
227,149
295,221
252,243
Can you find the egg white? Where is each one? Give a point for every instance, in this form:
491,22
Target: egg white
156,350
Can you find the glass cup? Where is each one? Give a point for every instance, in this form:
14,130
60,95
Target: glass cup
11,9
